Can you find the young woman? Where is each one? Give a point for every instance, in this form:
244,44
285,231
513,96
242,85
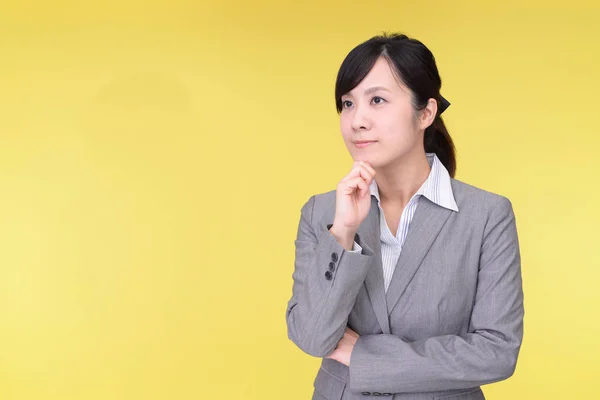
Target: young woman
406,281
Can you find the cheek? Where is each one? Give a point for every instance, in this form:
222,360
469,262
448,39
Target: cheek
398,127
346,129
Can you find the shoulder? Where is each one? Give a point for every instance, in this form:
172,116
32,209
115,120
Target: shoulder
478,201
320,204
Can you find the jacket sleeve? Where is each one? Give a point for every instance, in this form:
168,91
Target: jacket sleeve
486,354
326,282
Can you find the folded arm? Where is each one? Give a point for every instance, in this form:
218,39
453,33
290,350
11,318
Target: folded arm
488,353
327,279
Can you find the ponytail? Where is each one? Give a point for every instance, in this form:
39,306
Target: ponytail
437,140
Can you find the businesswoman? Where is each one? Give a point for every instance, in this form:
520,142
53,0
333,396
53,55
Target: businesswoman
407,282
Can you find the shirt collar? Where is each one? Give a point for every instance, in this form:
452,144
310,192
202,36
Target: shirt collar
437,187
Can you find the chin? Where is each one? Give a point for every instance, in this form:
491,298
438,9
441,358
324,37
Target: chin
376,157
371,160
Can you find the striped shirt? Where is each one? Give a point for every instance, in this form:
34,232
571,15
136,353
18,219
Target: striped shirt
437,188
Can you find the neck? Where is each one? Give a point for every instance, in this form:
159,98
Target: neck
399,181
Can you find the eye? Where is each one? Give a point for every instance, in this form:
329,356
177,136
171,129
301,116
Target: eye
346,103
376,100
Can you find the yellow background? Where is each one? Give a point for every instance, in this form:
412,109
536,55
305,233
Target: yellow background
154,157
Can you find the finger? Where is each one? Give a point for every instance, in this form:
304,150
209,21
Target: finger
355,184
369,172
359,170
352,333
362,187
370,168
365,164
334,353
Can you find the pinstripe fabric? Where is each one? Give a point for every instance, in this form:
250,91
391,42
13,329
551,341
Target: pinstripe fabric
436,188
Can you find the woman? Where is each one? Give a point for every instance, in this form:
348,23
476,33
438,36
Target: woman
407,281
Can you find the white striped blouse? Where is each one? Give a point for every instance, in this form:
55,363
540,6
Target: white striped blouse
437,188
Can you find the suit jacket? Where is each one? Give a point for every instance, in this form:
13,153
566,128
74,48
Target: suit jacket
451,319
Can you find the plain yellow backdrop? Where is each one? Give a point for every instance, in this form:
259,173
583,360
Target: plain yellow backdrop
154,157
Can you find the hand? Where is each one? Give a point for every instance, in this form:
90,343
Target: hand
343,351
353,199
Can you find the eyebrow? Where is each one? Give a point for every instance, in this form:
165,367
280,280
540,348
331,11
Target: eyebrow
373,89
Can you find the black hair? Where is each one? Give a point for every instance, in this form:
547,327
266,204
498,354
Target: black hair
415,65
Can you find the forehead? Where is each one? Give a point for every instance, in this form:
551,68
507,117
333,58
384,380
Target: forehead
382,74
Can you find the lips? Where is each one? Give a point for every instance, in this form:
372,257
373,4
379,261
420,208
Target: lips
364,143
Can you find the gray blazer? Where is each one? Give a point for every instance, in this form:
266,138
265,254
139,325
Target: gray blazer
451,320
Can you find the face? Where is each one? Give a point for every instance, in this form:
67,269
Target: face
379,110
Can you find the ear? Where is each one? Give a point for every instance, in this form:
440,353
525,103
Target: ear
427,114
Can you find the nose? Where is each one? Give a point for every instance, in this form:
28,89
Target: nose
360,118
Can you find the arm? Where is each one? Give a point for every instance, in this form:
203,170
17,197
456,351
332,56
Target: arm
317,313
488,353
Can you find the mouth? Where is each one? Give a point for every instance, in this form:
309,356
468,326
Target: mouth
364,143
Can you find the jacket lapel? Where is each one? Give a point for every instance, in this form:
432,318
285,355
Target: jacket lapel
425,226
369,233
